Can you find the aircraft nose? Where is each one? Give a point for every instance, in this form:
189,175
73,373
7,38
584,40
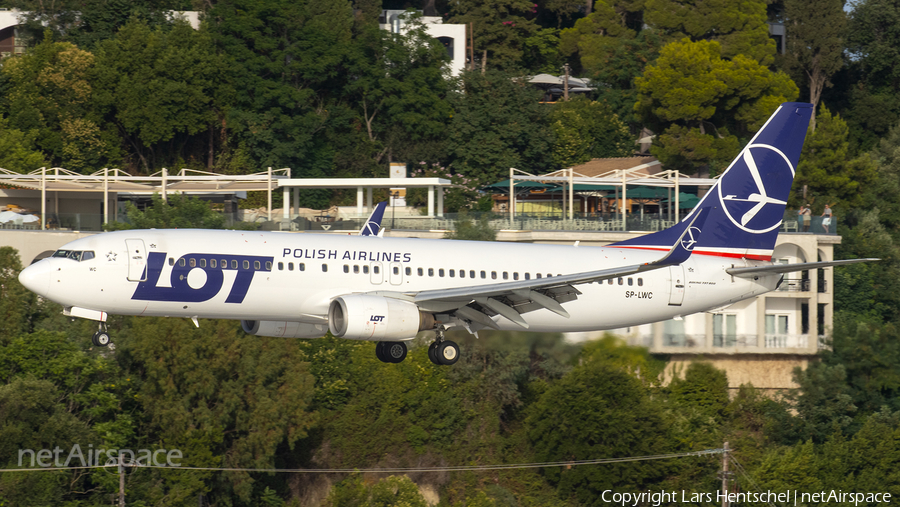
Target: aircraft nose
36,278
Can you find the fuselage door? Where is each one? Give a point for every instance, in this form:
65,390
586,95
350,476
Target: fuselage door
677,284
396,275
137,260
375,271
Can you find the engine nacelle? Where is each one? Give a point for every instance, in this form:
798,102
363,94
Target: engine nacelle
278,329
362,317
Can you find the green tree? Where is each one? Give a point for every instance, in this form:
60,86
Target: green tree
693,95
815,45
703,387
498,123
826,170
740,27
287,63
178,212
19,306
598,410
18,151
469,229
160,88
392,491
500,28
51,96
585,129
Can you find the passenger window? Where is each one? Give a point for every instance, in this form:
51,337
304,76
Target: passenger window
213,264
408,271
609,282
225,264
630,281
356,268
538,275
301,266
346,268
640,282
462,273
193,262
202,263
396,270
181,262
268,265
324,268
515,276
505,275
430,271
419,270
528,276
290,266
483,275
493,275
366,269
375,269
621,281
471,273
171,261
246,264
441,272
280,266
255,264
233,263
86,256
452,273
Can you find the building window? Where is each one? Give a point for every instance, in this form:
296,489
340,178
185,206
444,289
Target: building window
724,330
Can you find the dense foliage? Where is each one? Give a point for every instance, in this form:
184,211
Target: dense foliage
319,87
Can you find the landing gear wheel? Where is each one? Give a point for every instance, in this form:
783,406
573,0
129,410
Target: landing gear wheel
100,339
394,352
432,353
379,352
447,352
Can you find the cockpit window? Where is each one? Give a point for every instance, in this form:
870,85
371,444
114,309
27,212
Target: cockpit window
75,255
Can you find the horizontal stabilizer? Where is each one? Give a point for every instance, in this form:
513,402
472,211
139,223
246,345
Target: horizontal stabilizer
790,268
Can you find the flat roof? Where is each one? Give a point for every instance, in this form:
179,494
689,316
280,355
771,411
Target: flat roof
365,182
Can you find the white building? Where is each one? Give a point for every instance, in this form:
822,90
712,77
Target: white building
452,36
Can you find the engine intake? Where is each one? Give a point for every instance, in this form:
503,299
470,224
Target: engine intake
376,318
278,329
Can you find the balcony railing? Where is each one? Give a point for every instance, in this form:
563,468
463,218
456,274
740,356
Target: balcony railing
785,341
802,285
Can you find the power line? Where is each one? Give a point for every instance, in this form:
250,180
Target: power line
460,468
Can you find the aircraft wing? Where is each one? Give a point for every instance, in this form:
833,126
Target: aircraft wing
511,299
752,271
373,223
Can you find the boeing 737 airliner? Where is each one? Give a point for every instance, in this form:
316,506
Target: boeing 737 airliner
369,287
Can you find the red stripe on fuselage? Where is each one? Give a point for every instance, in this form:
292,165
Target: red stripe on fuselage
733,255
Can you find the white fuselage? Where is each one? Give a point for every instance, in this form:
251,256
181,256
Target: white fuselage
277,276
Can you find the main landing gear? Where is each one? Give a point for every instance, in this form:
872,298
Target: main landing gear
101,337
441,351
390,352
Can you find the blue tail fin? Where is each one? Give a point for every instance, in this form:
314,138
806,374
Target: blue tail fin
747,203
373,224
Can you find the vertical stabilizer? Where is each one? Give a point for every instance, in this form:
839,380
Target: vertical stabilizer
747,203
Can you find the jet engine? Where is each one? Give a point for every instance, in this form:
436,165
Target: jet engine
376,318
278,329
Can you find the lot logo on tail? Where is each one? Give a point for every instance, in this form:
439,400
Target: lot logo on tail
690,238
754,190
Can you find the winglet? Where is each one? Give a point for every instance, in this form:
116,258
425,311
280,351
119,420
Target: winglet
683,247
373,223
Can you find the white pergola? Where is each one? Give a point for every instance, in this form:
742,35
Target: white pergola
618,178
57,179
434,186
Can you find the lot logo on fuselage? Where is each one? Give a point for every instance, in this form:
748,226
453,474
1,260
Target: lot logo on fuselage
754,190
200,277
